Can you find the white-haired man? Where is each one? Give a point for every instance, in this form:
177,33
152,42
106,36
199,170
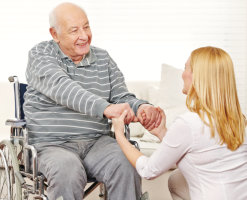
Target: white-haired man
73,89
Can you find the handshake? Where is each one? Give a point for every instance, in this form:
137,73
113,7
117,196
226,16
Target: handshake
152,118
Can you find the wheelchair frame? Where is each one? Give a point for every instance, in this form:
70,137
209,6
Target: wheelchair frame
15,160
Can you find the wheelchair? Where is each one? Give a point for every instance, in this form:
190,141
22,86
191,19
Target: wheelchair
19,176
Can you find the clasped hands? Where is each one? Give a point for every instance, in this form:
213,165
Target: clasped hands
153,119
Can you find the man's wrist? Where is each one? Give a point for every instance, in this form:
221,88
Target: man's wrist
141,105
104,112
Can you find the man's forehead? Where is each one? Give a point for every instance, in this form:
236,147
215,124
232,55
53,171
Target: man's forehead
72,26
73,20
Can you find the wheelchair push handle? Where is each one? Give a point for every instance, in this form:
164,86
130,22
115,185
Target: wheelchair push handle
13,79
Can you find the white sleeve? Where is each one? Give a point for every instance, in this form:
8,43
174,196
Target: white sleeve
175,144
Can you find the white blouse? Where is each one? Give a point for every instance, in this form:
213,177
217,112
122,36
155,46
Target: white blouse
212,171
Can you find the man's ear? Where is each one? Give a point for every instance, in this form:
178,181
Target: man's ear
53,33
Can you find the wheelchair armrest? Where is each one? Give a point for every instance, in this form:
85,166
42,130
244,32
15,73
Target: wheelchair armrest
16,123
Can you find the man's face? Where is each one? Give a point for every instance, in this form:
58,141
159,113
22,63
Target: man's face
73,34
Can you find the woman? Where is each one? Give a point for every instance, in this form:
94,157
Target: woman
208,144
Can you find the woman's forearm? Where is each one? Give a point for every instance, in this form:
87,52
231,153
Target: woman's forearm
162,134
131,153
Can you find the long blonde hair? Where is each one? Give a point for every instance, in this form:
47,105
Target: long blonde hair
213,94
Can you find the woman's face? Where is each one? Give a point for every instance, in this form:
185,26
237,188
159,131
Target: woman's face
187,76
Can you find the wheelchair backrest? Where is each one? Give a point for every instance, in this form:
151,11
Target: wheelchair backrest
19,90
22,90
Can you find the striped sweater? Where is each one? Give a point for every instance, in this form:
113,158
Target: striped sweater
65,101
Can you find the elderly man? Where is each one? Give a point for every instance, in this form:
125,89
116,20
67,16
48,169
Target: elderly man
73,89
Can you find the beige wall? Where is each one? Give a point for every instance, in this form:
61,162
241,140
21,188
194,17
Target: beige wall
6,108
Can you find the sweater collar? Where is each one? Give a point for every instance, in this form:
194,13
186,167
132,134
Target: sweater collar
88,59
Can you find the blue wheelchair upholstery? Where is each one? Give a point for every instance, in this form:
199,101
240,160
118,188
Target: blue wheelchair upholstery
22,90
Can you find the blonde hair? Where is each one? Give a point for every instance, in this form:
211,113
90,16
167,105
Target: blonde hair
213,94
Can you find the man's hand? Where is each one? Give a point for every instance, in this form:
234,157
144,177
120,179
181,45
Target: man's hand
149,116
115,111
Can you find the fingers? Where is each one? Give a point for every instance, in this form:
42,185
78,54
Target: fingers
140,114
162,112
162,118
158,121
118,122
130,116
127,119
152,114
144,117
141,117
121,112
127,113
159,117
152,117
135,119
149,124
123,115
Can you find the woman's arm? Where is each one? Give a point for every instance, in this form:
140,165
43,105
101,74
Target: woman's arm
177,142
131,153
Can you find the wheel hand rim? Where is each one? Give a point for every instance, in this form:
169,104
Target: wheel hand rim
7,173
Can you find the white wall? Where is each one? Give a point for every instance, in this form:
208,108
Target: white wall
139,34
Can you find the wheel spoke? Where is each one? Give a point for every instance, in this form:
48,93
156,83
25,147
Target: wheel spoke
3,184
5,176
10,189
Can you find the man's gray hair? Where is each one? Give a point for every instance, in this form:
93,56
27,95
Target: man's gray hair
53,20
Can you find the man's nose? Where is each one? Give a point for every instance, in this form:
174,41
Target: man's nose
82,34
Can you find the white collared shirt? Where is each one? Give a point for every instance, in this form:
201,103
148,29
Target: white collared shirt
211,170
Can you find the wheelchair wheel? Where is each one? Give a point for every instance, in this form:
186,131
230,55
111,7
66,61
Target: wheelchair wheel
10,188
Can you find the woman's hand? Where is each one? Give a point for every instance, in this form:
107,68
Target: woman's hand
118,123
131,153
160,131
